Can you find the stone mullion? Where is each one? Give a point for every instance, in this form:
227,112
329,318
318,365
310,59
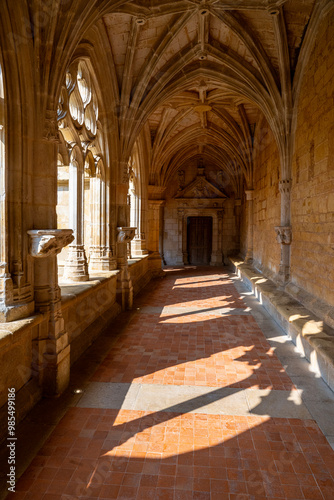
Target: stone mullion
76,267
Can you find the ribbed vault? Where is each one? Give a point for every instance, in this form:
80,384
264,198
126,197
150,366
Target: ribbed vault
197,77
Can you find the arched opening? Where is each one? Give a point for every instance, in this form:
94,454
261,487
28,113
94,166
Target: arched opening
82,186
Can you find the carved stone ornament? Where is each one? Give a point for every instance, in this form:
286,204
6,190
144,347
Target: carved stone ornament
47,242
51,127
125,234
249,194
284,235
284,186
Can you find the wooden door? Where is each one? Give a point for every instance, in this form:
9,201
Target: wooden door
199,240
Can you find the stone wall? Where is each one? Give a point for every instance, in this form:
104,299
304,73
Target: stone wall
267,201
140,273
87,308
312,259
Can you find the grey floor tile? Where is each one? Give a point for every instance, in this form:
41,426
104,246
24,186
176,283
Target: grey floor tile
280,404
323,414
185,399
113,396
313,388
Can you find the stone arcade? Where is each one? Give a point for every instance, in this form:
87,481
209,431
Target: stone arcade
130,130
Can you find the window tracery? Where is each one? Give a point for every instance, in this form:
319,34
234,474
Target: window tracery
81,139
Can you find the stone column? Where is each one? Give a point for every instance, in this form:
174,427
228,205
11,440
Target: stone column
16,272
138,244
76,267
124,236
100,254
249,214
51,354
180,238
161,233
284,233
217,258
124,287
237,214
154,235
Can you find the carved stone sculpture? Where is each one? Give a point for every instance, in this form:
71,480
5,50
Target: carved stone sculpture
125,234
284,235
46,242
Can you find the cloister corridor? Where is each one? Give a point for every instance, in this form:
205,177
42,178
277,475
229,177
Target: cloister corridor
194,394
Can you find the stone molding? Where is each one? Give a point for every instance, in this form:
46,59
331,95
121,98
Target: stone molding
285,186
47,242
284,235
249,194
125,234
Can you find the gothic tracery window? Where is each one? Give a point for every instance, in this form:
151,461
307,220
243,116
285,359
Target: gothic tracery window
81,150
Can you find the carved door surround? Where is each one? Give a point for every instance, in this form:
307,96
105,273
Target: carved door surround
200,198
216,213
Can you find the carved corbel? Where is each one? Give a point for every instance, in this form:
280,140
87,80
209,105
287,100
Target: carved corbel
249,194
47,242
51,132
284,235
284,186
125,234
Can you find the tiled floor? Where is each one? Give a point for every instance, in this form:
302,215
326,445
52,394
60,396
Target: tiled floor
192,402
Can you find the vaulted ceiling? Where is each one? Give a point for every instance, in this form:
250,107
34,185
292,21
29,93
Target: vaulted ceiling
198,76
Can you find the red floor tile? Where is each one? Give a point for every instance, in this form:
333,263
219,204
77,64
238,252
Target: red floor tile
109,454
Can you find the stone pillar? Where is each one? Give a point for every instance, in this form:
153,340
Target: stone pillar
249,214
237,215
217,258
100,254
154,230
138,244
76,267
124,288
161,233
16,272
181,238
51,355
124,236
284,234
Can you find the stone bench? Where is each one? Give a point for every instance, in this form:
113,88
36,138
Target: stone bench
313,337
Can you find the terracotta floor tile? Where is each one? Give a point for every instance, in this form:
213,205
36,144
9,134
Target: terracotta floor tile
132,454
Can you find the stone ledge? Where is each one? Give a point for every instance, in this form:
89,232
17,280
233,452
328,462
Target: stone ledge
10,332
72,290
135,260
312,336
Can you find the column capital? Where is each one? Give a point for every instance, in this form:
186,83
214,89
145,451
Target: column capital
284,235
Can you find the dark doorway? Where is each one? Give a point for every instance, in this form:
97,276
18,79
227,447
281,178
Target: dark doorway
199,240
